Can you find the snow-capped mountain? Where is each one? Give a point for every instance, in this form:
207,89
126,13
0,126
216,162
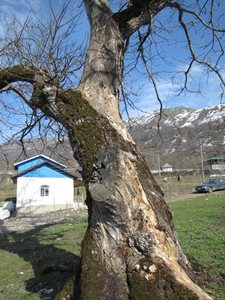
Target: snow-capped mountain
184,117
177,134
174,137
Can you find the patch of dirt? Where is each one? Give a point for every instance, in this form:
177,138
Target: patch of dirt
26,223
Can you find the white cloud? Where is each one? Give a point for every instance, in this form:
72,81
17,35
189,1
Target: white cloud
210,92
18,8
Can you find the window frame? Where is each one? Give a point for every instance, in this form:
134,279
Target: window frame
44,190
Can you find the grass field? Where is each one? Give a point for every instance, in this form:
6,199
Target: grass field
7,193
36,264
200,223
174,189
7,188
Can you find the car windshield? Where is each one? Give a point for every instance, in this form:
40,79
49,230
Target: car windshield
210,181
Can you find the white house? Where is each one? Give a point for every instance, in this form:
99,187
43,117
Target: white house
43,185
167,168
217,163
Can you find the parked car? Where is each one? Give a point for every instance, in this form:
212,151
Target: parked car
212,184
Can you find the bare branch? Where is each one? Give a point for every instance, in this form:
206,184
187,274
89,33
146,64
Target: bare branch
197,16
152,79
194,58
19,92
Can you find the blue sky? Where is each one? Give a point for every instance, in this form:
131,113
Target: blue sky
145,98
209,95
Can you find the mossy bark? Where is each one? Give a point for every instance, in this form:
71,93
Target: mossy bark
130,250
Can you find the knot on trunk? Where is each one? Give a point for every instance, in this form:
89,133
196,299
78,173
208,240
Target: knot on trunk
44,97
50,93
141,242
96,175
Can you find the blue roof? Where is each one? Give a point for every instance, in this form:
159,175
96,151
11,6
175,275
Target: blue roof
45,169
35,160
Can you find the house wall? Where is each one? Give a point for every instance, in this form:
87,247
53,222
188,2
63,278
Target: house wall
167,169
218,167
29,198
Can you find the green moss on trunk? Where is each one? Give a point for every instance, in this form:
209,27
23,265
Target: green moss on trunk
16,73
88,129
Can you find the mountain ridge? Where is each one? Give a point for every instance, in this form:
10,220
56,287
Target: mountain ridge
179,133
174,137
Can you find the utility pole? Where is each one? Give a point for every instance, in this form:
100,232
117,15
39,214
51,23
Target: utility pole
159,167
202,164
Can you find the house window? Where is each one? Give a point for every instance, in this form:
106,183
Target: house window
44,191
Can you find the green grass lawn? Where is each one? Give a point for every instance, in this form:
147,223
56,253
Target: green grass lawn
174,189
37,264
45,258
200,223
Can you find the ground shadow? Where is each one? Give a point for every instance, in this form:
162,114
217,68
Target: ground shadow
52,266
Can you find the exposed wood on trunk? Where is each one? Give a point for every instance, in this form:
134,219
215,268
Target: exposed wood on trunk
102,73
130,250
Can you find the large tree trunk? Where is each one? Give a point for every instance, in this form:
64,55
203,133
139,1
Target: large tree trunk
130,250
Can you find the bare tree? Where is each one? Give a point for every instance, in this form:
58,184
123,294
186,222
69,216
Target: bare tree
130,250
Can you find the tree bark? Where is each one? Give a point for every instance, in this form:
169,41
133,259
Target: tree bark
103,63
130,250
